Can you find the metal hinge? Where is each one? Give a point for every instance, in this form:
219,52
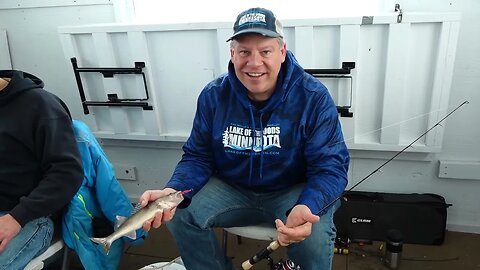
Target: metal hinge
400,13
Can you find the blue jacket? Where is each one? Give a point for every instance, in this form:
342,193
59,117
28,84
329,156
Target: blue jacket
100,195
296,137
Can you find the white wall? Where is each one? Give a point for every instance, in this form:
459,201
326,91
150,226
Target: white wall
35,47
31,28
5,62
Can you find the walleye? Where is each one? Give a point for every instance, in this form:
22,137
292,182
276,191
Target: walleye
128,226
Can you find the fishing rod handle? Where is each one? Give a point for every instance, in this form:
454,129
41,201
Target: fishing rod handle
246,265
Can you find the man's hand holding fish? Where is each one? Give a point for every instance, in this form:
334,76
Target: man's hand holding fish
161,216
157,207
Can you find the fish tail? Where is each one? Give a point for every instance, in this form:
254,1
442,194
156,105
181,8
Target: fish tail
103,242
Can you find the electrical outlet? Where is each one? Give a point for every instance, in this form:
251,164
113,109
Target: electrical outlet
125,172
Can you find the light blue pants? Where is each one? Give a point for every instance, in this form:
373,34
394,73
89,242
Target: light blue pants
33,239
219,204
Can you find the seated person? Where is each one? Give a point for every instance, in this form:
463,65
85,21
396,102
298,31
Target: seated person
270,134
40,166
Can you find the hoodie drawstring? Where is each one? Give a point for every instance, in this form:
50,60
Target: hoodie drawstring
252,152
261,145
252,147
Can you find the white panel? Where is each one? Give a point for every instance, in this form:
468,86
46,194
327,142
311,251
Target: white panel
304,46
394,84
325,54
70,50
420,73
442,80
394,87
5,62
459,170
349,37
181,73
139,52
106,58
370,70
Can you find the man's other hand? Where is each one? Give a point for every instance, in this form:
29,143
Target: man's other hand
298,225
9,227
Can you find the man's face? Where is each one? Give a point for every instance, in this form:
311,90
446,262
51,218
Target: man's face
257,61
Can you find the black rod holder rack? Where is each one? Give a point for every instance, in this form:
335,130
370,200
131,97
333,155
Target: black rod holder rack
113,99
340,73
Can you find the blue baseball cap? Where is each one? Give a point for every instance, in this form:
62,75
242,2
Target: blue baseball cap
258,21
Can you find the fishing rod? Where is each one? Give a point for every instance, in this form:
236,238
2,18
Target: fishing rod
274,245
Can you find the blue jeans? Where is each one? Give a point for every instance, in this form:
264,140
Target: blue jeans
219,204
33,239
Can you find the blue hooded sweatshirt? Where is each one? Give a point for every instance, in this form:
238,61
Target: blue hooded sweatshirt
295,137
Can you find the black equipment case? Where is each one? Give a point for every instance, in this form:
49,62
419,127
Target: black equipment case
368,216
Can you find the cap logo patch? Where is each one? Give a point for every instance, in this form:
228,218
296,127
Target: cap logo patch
252,17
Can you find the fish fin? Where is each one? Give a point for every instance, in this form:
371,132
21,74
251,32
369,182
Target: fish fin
119,222
132,235
103,242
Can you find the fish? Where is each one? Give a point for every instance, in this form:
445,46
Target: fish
128,226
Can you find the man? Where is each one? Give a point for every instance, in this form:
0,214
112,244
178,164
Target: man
270,135
40,166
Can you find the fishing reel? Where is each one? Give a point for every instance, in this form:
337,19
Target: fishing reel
283,265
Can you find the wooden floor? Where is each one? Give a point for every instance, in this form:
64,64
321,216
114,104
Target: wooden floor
460,251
